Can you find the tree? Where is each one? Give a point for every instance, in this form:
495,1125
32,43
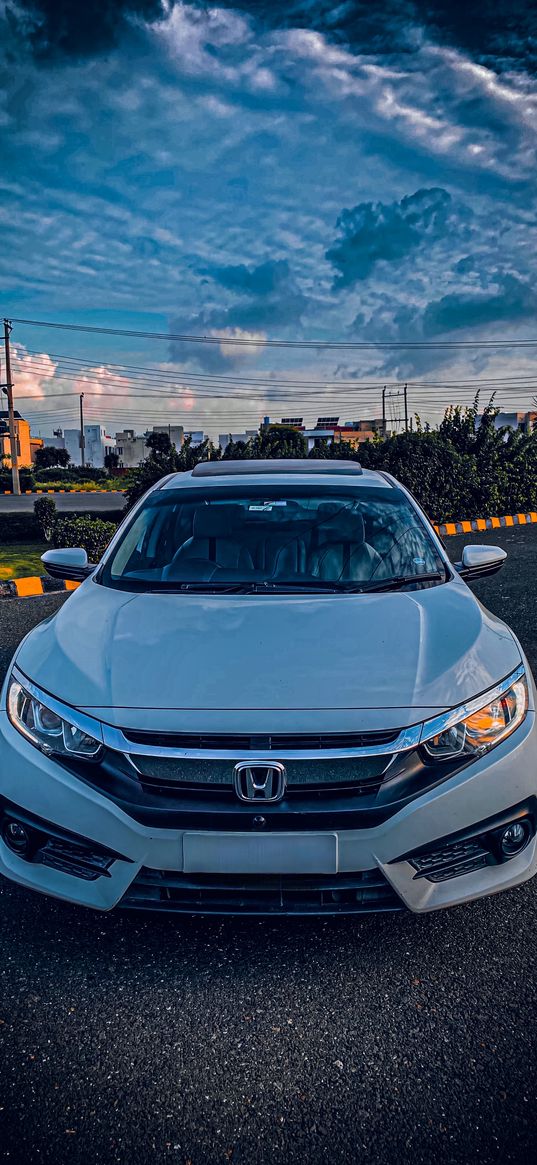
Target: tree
159,445
49,457
111,460
280,441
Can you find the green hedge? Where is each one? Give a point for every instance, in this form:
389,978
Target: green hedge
91,533
19,528
25,528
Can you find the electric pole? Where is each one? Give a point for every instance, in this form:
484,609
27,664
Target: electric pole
406,408
82,438
384,411
8,389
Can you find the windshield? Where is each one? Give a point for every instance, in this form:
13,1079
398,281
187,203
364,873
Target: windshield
273,538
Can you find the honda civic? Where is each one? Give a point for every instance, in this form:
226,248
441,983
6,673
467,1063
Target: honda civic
274,694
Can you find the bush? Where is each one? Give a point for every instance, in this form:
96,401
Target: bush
26,479
91,533
19,528
73,473
45,516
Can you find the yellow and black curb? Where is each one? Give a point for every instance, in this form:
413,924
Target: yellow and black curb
19,588
76,492
478,525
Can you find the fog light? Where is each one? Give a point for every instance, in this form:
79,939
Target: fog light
514,837
16,837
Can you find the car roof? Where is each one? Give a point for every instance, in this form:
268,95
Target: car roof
289,471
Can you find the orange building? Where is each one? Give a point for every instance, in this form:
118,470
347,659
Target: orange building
22,433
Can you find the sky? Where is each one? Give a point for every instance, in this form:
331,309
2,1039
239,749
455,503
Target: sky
349,173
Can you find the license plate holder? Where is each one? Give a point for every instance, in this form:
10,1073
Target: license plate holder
251,853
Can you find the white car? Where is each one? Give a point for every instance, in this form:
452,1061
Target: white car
274,694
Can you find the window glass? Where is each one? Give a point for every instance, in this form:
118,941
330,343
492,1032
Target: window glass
268,534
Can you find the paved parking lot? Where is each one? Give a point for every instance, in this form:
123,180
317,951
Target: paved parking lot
379,1040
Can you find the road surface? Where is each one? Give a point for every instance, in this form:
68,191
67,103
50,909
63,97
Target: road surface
65,503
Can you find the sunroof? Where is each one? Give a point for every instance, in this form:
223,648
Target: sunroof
277,465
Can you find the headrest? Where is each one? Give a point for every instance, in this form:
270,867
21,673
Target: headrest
345,526
216,520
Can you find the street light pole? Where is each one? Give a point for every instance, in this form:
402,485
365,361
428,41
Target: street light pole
11,413
82,438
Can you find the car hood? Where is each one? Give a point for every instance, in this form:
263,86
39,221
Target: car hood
275,662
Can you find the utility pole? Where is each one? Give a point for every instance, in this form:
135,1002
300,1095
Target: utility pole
384,411
406,408
8,389
82,438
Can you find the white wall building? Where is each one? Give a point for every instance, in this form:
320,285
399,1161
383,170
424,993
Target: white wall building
225,438
130,449
96,445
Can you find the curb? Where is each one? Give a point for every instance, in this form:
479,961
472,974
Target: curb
18,588
78,492
480,524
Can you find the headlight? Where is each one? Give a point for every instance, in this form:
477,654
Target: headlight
44,724
484,727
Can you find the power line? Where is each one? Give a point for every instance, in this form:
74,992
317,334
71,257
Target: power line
243,341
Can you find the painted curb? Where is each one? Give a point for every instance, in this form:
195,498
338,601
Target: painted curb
19,588
479,524
8,493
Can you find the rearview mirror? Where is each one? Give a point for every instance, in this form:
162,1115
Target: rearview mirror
478,561
70,562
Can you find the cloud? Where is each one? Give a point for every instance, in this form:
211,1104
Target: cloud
31,373
371,233
513,301
267,297
68,28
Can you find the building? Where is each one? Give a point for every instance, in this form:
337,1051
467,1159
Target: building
22,436
35,444
131,449
97,444
328,429
225,438
197,436
176,433
524,422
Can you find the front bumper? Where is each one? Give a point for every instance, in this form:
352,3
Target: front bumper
370,871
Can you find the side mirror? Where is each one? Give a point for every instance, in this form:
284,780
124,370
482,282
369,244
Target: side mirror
478,561
71,563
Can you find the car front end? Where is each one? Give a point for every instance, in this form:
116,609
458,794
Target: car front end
377,820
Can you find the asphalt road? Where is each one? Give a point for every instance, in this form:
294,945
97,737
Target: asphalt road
65,503
382,1040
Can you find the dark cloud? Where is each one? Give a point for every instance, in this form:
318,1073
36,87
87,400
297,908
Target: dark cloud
268,297
269,294
375,231
503,33
75,28
504,37
514,301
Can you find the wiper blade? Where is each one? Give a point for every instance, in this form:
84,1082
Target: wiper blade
393,584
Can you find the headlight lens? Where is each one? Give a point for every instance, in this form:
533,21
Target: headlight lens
45,728
483,728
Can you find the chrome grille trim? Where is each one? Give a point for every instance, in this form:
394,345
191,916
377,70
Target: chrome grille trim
115,739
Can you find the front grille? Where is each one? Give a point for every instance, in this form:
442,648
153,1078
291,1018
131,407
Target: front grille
170,775
366,892
451,861
272,743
